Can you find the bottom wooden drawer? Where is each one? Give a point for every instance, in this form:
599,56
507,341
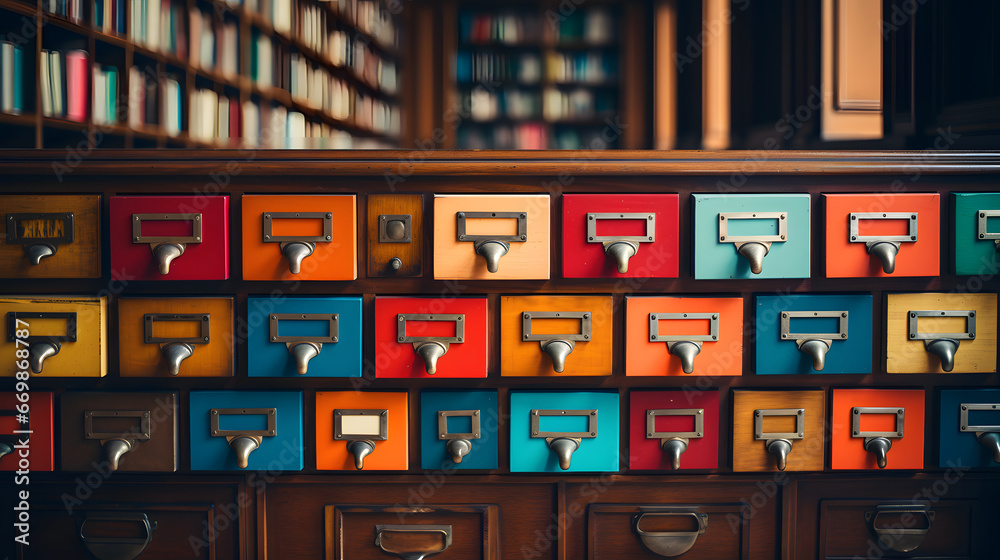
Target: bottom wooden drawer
655,531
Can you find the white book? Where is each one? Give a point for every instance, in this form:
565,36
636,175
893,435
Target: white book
265,69
223,123
171,103
136,97
46,85
153,25
279,121
100,100
56,71
207,44
7,77
251,124
210,116
295,130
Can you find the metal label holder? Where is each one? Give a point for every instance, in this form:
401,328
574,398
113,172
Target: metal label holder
787,316
520,236
970,324
856,217
964,410
268,218
699,423
649,219
858,411
142,415
15,234
331,319
654,327
758,424
13,316
982,218
591,432
195,236
383,224
203,319
383,426
270,413
443,432
583,335
725,217
457,318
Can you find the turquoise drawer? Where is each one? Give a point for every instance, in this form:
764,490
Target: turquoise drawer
574,431
471,430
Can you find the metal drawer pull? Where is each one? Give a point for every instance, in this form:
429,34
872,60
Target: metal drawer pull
166,248
942,345
459,444
563,444
685,347
983,217
384,539
303,348
885,247
753,247
492,247
675,443
40,233
360,428
175,349
116,548
296,247
430,348
669,543
42,347
621,247
244,442
116,444
988,436
815,345
878,443
892,537
557,346
7,441
779,444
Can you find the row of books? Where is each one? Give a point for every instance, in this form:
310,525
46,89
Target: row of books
530,136
490,66
64,83
314,86
578,104
588,67
215,43
106,94
69,9
214,118
595,26
298,16
155,102
109,16
265,125
158,25
551,104
12,78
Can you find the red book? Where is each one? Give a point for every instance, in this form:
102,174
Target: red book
77,85
234,120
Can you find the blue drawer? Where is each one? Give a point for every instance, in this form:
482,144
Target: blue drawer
597,448
965,446
246,414
463,413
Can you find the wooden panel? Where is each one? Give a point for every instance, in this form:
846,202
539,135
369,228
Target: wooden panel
613,533
852,70
474,531
454,259
750,454
79,259
909,356
411,254
334,260
526,358
716,74
844,532
87,357
136,358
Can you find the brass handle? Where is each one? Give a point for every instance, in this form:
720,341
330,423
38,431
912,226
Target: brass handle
384,540
670,543
116,548
898,539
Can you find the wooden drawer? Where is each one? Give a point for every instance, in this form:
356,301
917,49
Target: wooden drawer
62,232
522,523
67,336
762,420
975,224
932,333
395,235
41,436
854,518
714,519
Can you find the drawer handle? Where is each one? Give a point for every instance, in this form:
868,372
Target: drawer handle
878,443
670,543
675,443
383,538
40,234
176,350
117,548
304,348
896,538
244,442
295,248
360,428
459,443
41,348
621,247
942,345
685,347
885,247
753,247
557,346
779,444
564,444
815,345
430,348
988,436
166,248
981,221
492,247
116,444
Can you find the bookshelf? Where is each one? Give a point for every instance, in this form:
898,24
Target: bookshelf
543,76
213,74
